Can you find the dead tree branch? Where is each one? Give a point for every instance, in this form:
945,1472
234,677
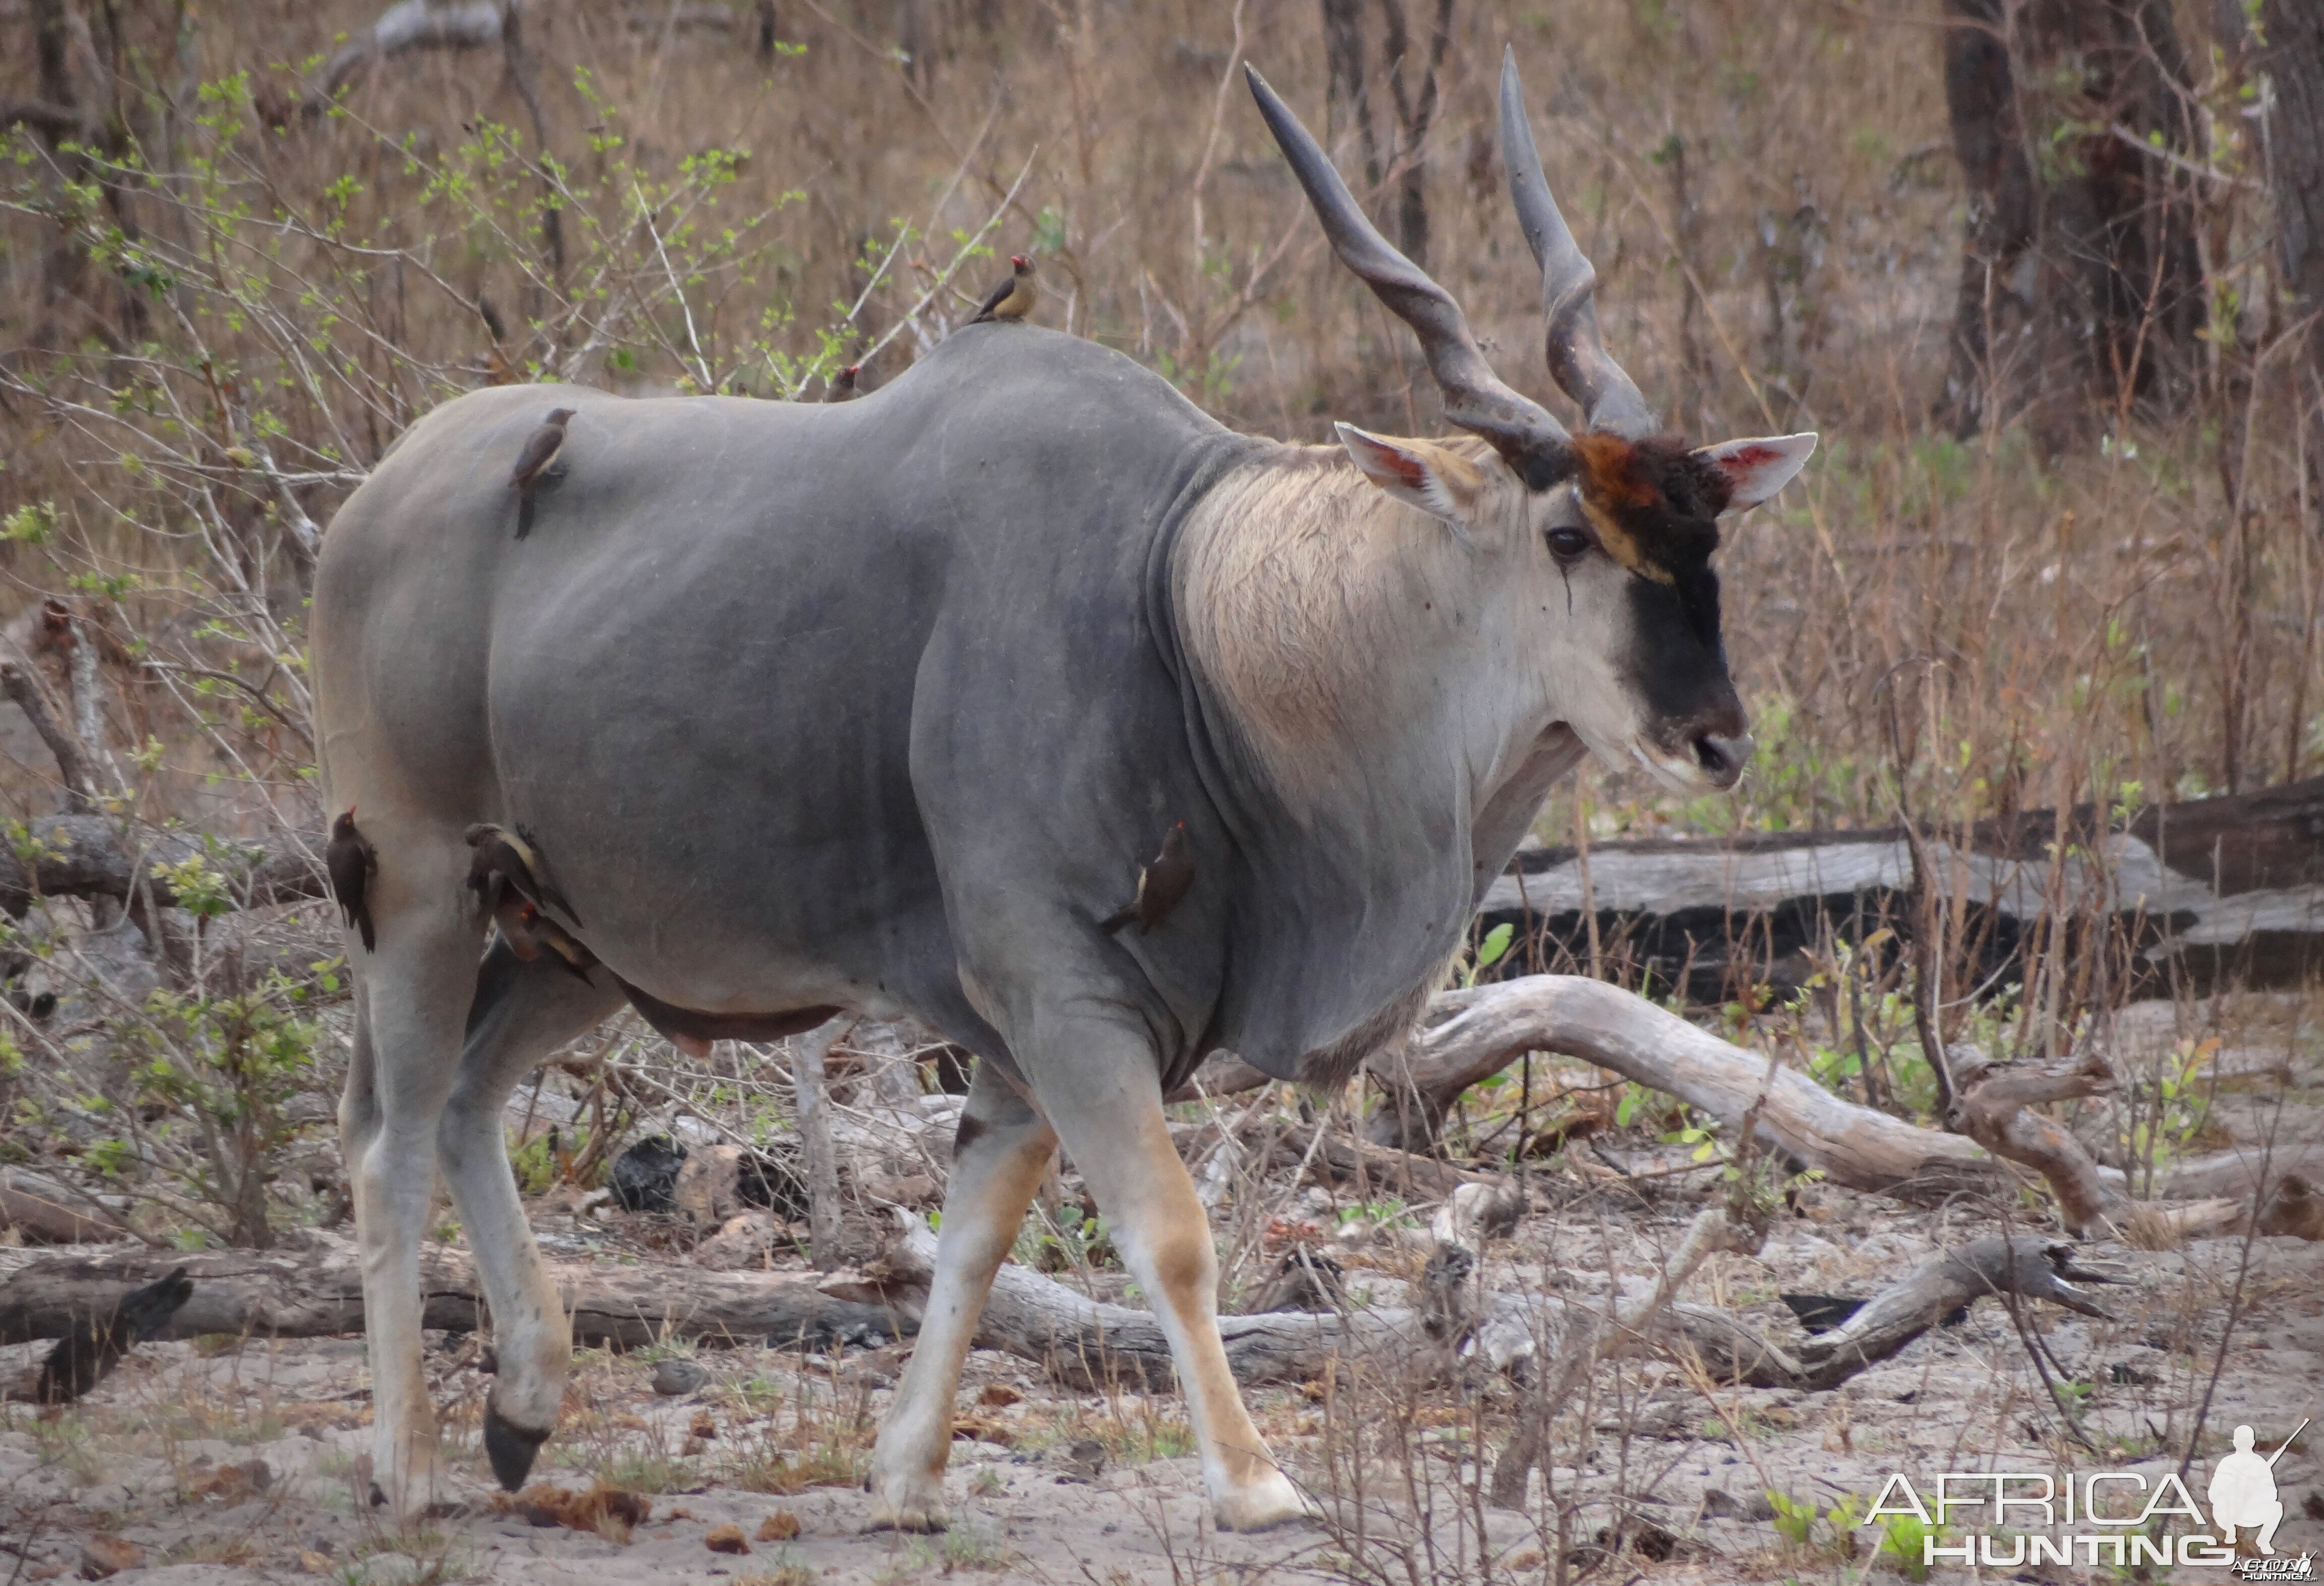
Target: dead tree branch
1596,1339
414,24
92,856
1994,1107
1491,1026
73,761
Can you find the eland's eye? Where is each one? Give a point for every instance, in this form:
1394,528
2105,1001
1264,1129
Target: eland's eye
1568,544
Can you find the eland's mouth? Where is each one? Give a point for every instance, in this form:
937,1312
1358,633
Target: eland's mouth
1712,763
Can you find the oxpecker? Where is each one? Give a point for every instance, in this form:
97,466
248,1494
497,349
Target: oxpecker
1014,298
842,384
540,450
576,959
503,861
1160,885
351,862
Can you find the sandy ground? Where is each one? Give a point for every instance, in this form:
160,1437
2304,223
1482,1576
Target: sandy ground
226,1460
166,1456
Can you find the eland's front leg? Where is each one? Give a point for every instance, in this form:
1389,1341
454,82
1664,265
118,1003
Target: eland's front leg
1102,1092
997,1162
412,997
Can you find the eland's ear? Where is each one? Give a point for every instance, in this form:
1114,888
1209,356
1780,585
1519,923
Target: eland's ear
1442,484
1757,469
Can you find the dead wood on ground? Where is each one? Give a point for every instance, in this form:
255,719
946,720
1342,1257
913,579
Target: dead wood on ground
318,1292
1476,1033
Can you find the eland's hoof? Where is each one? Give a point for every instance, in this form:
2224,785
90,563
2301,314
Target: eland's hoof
1263,1505
511,1447
901,1504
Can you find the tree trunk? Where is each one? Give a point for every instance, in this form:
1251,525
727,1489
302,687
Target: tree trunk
817,1155
1415,108
2081,287
1343,50
2294,64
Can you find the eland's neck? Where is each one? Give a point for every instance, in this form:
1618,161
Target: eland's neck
1343,633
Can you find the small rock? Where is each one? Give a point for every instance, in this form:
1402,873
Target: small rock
727,1538
1084,1458
702,1426
779,1527
314,1563
102,1556
675,1377
1720,1504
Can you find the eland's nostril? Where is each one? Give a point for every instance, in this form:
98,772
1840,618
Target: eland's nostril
1722,758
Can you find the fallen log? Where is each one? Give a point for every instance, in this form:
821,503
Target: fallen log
2209,892
2016,1265
1083,1342
1478,1031
318,1292
2243,1171
1488,1028
43,1213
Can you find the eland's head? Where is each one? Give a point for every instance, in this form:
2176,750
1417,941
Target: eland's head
1604,536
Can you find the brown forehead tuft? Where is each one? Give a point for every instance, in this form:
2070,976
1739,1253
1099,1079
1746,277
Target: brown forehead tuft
1611,470
1653,501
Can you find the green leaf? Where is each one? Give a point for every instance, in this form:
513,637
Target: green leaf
1496,944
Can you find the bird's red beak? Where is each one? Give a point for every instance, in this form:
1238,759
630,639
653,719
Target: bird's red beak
1017,260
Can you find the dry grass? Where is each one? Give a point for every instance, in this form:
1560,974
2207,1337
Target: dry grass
2054,630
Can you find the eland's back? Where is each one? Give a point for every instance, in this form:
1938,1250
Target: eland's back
695,682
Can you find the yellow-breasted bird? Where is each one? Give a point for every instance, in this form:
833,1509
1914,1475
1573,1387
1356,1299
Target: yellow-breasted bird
540,449
547,932
1160,885
1014,298
502,862
842,384
351,862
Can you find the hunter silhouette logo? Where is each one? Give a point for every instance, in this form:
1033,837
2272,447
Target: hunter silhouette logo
2243,1491
2125,1518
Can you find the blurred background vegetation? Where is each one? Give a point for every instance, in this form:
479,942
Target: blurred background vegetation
2044,274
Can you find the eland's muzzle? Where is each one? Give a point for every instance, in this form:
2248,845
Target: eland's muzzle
1723,757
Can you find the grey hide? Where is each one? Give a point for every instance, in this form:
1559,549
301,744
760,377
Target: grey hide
825,705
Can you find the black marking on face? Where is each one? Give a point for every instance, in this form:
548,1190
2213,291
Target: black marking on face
1676,657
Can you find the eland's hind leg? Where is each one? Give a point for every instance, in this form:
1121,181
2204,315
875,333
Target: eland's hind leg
997,1162
521,1012
412,998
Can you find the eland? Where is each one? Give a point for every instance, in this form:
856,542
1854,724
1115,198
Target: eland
885,705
